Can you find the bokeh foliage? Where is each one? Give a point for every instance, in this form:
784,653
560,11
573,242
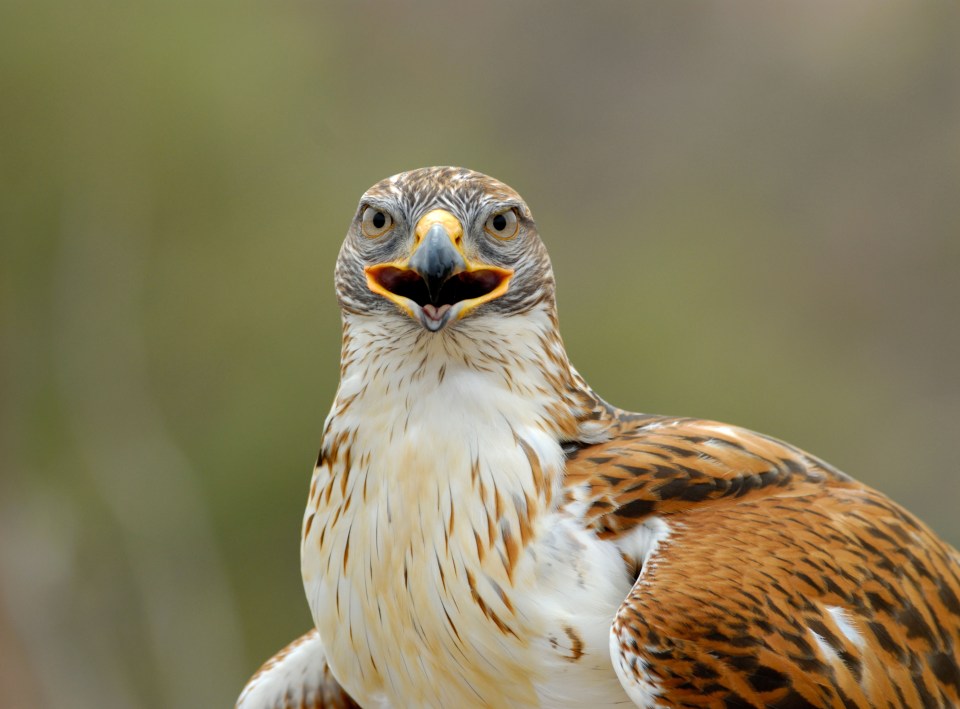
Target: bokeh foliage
753,213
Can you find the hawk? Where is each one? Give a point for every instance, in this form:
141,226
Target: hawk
482,529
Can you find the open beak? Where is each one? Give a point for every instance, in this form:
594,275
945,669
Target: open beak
438,284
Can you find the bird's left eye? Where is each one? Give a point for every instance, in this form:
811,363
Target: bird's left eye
375,222
504,225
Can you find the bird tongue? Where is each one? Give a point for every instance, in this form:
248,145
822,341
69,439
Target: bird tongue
435,313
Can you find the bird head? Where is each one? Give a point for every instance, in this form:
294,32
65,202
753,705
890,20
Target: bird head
437,246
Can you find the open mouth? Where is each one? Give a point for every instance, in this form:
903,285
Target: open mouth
457,295
461,286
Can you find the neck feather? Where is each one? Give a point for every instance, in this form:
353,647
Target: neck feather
521,354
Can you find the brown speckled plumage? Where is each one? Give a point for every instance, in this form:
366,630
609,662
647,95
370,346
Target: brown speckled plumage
767,537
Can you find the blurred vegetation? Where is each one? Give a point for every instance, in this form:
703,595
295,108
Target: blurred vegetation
752,209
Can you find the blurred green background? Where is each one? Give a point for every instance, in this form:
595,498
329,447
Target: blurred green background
753,211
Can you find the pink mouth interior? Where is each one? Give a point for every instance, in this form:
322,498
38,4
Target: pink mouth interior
435,313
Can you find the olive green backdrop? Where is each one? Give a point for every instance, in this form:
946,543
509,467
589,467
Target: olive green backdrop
753,211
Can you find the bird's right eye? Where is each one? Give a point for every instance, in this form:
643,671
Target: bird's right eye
375,222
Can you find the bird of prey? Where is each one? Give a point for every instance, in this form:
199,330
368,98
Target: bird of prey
483,530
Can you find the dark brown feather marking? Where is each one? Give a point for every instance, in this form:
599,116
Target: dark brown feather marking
767,539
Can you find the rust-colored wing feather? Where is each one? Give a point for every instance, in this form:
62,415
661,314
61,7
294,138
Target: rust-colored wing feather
297,677
781,582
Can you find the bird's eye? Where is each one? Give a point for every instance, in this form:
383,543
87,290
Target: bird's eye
375,222
504,225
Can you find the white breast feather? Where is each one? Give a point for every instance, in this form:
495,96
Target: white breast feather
416,587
